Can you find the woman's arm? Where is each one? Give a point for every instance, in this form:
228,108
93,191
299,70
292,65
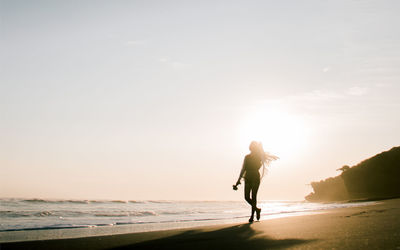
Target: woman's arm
242,171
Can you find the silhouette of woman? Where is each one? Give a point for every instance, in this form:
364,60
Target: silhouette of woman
251,173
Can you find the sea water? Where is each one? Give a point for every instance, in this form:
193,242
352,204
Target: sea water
24,215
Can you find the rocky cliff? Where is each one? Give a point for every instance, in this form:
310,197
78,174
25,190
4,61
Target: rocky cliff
375,178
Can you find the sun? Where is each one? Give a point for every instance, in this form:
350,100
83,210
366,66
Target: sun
281,133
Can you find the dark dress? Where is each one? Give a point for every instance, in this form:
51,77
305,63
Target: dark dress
252,165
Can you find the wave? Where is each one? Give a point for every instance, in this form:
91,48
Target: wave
54,201
73,214
14,214
186,212
86,201
76,201
160,201
37,201
127,214
17,214
118,201
53,227
44,214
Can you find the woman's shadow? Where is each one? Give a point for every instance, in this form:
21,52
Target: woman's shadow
235,237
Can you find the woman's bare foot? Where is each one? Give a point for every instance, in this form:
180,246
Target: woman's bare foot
251,219
258,213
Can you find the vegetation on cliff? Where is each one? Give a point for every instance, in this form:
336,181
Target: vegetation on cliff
376,177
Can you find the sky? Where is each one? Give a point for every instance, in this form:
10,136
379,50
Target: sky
159,100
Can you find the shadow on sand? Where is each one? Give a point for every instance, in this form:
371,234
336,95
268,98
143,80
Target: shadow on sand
236,237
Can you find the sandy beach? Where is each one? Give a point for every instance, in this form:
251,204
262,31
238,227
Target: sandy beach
366,227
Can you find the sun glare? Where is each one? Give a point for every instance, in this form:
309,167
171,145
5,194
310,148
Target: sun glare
281,133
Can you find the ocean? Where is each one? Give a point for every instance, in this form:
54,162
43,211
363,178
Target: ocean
24,215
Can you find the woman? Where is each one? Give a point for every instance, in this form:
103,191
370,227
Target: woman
251,173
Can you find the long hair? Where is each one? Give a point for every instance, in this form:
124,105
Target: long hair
265,157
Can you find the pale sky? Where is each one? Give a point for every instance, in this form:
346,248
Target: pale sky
145,100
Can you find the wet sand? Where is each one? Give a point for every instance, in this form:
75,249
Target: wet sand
366,227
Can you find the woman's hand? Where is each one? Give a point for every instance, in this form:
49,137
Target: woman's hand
237,184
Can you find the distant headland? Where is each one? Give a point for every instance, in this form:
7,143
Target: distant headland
375,178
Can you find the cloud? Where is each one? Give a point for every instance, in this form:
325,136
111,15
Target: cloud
173,64
351,102
323,96
326,69
357,91
178,65
312,102
383,85
317,95
135,42
322,102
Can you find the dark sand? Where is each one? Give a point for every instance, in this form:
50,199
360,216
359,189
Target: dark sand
366,227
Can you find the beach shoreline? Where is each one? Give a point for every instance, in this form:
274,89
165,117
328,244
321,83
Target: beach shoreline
371,226
85,232
27,220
